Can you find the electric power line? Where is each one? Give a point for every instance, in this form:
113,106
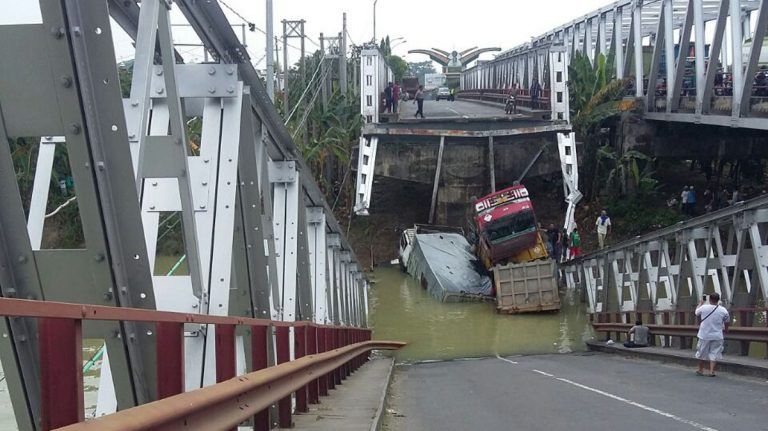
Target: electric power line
309,84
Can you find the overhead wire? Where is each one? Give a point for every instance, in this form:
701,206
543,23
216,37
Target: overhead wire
309,84
310,106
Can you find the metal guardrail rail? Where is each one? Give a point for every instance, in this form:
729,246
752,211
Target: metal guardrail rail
324,356
227,404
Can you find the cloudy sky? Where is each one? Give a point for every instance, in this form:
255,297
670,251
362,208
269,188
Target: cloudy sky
421,23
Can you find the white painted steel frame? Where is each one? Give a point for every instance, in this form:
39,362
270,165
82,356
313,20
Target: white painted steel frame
627,24
668,270
239,133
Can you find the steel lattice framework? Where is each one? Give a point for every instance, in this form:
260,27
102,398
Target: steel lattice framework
712,83
260,240
666,271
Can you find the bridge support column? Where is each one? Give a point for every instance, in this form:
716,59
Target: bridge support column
436,183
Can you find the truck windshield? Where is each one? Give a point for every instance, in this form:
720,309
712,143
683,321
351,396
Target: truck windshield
511,226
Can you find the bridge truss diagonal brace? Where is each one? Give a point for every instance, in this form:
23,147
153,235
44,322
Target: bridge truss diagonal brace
366,166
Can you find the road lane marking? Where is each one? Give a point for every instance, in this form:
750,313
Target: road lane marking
506,360
454,111
623,400
639,405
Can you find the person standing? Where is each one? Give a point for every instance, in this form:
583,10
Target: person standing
388,97
691,201
553,237
419,101
603,225
535,94
565,244
575,243
714,321
684,200
395,97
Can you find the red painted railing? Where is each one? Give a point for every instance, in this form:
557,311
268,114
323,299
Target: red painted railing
328,353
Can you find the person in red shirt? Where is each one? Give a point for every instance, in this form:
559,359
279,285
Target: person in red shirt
395,97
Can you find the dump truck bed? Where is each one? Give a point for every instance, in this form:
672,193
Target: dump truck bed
526,287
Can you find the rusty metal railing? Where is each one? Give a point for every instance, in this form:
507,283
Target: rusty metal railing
325,355
685,333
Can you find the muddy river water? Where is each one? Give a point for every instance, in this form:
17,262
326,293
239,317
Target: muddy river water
401,310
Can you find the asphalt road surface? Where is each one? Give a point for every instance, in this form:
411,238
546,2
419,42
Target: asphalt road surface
588,391
446,109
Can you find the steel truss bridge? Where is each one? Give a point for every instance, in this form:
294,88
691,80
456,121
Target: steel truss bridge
664,273
260,240
714,83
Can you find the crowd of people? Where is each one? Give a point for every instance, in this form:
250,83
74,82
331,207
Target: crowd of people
563,246
712,199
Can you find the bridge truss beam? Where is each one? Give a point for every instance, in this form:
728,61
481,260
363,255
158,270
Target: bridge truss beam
669,270
684,66
132,164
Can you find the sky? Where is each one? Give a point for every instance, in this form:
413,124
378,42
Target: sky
420,23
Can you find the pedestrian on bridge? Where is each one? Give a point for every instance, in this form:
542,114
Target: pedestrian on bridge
388,97
395,97
419,101
535,94
714,321
603,225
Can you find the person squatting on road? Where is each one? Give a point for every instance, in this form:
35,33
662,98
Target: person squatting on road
637,336
603,224
714,321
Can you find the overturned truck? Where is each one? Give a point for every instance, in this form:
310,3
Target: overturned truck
509,245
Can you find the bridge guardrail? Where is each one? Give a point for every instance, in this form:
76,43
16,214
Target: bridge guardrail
686,333
324,356
499,95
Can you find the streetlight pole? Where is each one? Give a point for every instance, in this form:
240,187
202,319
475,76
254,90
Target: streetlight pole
374,20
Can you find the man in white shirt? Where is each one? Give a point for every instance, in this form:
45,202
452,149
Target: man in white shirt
714,321
603,225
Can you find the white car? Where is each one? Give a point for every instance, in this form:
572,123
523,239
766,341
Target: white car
444,93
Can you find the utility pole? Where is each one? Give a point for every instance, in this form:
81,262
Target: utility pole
277,62
291,29
343,57
270,54
323,88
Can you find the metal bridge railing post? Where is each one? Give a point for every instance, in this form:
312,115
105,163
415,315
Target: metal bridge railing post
260,361
61,372
330,378
313,388
170,358
283,356
300,350
335,344
226,354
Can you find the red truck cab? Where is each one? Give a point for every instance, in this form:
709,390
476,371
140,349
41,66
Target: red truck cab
506,228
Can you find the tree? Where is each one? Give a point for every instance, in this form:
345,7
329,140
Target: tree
399,67
421,68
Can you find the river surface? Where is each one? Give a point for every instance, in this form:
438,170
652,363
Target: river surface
401,310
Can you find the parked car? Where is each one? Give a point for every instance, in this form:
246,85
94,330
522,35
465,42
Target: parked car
444,93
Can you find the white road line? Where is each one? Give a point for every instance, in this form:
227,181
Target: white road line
454,111
506,360
623,400
642,406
